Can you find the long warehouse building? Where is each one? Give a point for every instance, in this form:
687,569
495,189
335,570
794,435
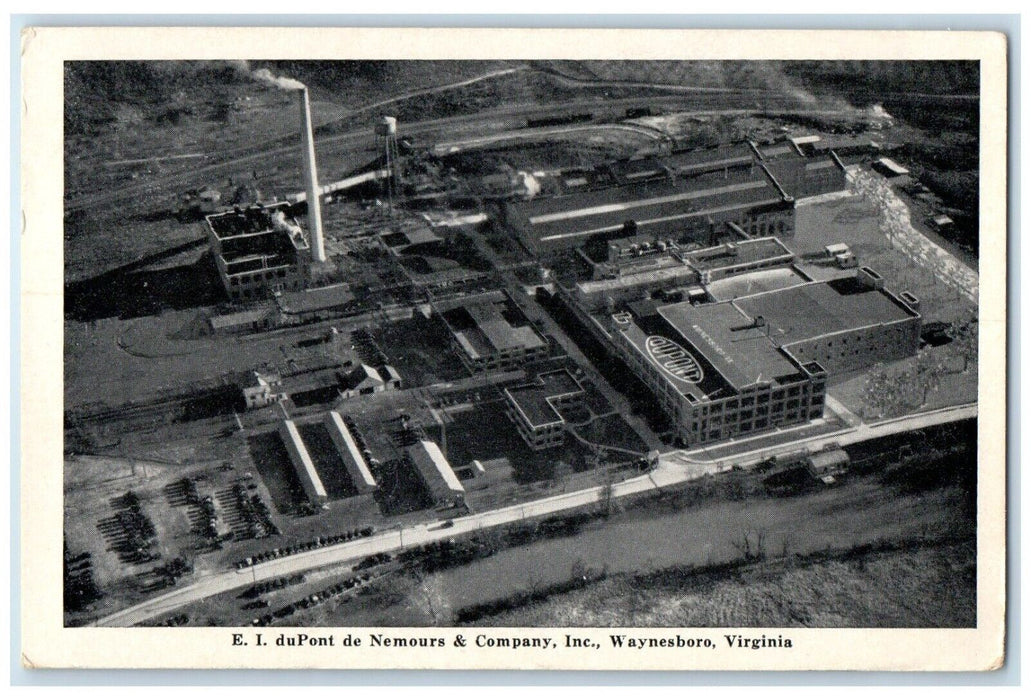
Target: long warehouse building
687,195
303,464
689,208
436,473
350,454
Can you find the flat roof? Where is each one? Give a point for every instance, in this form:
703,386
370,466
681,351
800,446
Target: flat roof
821,308
742,354
703,350
315,299
534,400
777,150
501,334
247,221
490,331
240,318
738,253
672,271
728,156
649,203
754,282
433,466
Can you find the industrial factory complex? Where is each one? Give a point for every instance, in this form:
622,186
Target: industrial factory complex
447,327
650,255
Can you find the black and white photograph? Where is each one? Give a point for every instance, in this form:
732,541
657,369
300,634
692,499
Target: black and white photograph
663,352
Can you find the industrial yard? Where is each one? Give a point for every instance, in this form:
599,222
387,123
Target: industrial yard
351,343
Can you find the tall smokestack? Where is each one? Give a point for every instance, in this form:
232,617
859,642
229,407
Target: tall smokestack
311,182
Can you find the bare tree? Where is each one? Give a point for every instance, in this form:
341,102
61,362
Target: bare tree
751,544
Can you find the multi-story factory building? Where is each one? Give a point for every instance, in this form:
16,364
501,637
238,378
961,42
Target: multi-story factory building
259,250
759,361
534,408
690,208
686,196
490,333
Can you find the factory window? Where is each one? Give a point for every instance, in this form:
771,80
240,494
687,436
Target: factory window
793,391
761,423
815,413
748,401
762,410
792,404
746,426
779,394
714,434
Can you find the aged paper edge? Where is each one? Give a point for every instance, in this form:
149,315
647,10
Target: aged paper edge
47,644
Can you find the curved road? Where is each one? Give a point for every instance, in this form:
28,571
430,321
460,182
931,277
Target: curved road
674,468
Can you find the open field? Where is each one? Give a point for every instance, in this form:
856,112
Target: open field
850,588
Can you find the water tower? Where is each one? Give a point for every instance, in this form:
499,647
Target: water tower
386,143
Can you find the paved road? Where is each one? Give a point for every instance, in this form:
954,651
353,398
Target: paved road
674,468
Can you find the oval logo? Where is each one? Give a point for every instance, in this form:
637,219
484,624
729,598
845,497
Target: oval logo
674,359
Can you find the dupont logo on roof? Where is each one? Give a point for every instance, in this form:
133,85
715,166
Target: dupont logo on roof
674,359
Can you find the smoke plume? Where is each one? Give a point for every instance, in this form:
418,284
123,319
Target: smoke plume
266,76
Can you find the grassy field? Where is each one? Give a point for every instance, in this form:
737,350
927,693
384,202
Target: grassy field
853,588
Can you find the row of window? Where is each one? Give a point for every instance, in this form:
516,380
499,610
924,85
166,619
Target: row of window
237,294
715,433
789,410
256,277
542,437
765,228
761,398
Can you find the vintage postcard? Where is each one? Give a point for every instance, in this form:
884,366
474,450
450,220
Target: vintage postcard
513,349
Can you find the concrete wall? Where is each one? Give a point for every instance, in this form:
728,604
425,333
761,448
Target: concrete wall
861,348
